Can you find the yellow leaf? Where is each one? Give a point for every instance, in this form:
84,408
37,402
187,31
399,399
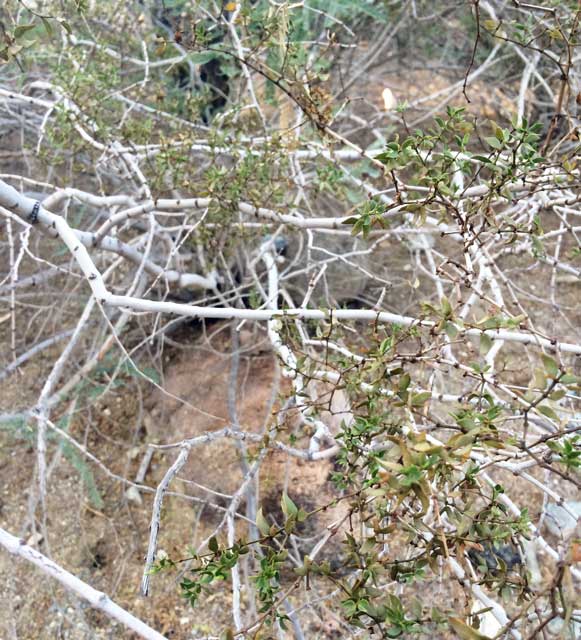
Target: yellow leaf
389,466
464,631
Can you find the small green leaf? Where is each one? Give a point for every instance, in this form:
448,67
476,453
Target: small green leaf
494,143
482,159
47,26
485,344
385,346
65,25
213,545
22,29
551,367
201,57
446,307
558,394
547,411
261,523
404,382
418,399
491,25
451,330
289,508
539,379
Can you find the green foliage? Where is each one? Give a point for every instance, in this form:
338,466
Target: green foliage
213,567
369,215
216,565
568,452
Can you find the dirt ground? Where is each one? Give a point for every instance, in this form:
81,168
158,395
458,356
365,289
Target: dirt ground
105,544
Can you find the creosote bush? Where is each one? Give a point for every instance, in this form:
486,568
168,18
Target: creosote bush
413,271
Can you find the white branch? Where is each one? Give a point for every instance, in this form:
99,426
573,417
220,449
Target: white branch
23,206
156,514
96,599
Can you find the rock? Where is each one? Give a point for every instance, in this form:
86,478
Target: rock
389,100
132,494
34,540
134,452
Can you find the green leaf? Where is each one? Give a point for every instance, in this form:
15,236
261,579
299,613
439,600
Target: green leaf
418,399
213,545
47,27
547,411
65,25
494,143
202,57
551,367
404,382
289,508
539,379
451,330
363,605
385,345
558,394
422,495
22,29
261,523
446,307
500,134
485,344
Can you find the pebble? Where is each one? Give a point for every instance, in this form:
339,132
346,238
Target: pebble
34,539
132,494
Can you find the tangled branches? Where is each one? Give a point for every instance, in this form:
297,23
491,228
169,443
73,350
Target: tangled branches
412,269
